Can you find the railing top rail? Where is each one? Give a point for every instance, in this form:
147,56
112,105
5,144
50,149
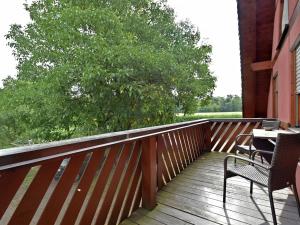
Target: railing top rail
109,136
6,161
245,120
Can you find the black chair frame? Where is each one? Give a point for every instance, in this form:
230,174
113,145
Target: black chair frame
278,175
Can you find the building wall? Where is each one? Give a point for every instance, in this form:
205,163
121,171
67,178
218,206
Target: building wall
283,60
260,33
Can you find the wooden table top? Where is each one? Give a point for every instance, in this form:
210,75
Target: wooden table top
261,133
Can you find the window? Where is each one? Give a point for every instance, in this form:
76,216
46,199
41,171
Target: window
285,16
284,23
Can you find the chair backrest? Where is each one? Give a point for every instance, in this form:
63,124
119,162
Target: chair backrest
271,123
284,162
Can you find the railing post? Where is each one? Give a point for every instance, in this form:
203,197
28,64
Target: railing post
207,137
149,173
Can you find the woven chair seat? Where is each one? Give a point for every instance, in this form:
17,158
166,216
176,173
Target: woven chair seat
245,148
257,174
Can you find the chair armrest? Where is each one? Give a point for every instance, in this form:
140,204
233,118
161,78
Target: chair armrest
245,160
272,141
239,136
254,153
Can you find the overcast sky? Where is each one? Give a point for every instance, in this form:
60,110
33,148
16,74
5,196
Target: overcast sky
11,11
216,20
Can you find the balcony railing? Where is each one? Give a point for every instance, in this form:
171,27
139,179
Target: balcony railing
103,179
224,131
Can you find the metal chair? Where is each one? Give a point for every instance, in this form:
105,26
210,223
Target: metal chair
278,175
244,149
256,143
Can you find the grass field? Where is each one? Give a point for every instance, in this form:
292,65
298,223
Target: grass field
208,115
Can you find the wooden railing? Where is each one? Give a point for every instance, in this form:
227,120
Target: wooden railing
224,131
100,179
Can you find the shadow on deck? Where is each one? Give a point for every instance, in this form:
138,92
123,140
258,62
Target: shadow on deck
195,197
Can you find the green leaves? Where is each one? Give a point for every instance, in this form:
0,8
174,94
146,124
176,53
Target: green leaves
97,66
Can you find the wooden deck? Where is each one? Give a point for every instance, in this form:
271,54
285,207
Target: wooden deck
195,197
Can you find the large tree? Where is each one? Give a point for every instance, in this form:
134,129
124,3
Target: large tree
104,65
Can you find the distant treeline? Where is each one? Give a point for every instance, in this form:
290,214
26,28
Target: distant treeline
230,103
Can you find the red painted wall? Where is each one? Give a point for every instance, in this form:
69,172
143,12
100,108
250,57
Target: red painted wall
283,65
283,69
292,6
295,31
283,62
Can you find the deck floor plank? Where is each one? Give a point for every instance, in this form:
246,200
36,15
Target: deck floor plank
195,197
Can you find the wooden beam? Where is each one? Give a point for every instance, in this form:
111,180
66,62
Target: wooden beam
259,66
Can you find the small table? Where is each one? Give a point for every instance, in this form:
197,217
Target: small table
261,133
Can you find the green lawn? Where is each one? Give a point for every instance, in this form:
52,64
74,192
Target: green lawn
208,115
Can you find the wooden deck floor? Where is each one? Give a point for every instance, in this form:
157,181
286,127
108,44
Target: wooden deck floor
195,197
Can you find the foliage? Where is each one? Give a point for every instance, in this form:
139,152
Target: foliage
86,67
230,103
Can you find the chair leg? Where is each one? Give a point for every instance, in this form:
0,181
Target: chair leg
235,158
224,189
262,160
250,156
296,197
272,207
251,187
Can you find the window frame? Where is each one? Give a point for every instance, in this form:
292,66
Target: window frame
284,23
284,15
